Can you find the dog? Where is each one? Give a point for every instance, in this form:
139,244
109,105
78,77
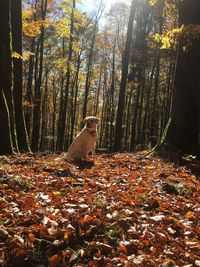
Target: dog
85,141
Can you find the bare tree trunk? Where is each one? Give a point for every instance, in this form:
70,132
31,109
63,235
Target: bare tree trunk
90,59
122,92
74,106
7,115
16,20
153,127
29,91
55,95
134,122
183,132
44,114
62,136
98,92
37,96
128,120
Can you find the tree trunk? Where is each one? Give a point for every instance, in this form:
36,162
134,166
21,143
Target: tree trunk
38,84
29,90
6,146
90,59
122,92
44,117
16,20
7,116
183,131
74,107
62,136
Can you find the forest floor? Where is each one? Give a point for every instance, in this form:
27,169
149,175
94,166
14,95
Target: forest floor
124,209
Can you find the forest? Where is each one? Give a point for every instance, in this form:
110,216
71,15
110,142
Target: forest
134,66
126,65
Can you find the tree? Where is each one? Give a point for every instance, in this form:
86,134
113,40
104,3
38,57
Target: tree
183,131
38,84
7,118
90,58
61,136
13,130
125,63
16,22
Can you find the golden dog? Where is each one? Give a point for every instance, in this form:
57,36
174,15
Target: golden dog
85,141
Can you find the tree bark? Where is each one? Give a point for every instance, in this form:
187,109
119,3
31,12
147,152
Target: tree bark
38,84
62,136
122,92
16,20
90,63
184,129
7,116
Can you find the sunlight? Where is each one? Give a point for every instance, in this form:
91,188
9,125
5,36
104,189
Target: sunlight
108,3
88,5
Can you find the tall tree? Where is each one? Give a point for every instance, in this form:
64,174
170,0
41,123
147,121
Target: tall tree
38,84
90,58
29,88
16,22
183,131
7,117
122,92
61,137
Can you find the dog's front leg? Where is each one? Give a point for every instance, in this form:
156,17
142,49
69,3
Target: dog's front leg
93,150
85,158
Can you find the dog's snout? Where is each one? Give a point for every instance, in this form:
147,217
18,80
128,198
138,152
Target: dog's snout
88,124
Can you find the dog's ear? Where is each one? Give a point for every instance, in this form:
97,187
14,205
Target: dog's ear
96,119
85,120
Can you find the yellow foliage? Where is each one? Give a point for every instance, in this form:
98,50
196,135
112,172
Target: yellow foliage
152,2
61,64
28,13
63,27
25,55
170,9
81,19
168,39
16,55
32,28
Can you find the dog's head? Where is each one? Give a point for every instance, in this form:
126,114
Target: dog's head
91,123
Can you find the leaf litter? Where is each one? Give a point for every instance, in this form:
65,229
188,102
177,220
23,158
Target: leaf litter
122,210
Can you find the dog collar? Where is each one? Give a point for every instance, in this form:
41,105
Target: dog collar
92,132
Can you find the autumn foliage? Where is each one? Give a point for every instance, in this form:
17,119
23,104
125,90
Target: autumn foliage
122,210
